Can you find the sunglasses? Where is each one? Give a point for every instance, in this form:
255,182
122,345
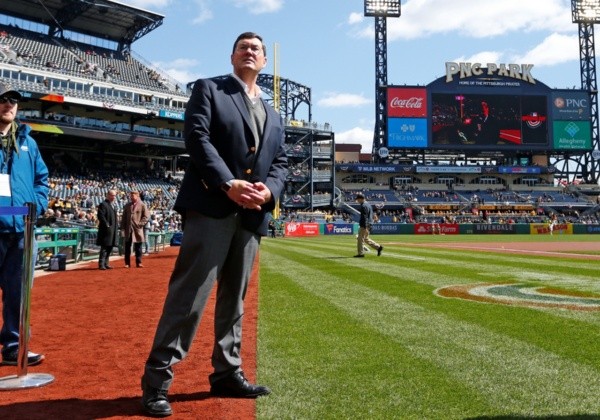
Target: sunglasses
7,100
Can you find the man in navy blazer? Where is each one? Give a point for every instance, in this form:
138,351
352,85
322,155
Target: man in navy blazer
237,170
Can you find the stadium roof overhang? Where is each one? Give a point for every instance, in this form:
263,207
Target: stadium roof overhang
103,19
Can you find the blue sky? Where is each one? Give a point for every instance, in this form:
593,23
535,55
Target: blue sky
329,46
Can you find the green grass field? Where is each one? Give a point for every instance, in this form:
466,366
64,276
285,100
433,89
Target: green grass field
349,338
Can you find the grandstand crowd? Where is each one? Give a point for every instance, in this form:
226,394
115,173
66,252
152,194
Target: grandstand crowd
73,199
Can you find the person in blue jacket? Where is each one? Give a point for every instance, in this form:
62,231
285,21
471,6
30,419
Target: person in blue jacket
23,179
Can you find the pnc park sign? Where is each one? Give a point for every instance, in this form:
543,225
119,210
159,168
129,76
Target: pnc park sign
465,70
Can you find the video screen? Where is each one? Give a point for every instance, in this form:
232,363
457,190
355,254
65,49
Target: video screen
489,121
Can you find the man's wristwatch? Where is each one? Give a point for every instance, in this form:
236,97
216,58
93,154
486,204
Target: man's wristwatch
226,186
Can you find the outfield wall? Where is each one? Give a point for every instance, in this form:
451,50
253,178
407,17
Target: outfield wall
316,229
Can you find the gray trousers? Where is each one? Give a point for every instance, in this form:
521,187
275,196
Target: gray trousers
211,249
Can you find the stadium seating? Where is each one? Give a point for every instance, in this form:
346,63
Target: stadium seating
34,50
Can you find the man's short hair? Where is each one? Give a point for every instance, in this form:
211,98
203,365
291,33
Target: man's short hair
250,35
360,195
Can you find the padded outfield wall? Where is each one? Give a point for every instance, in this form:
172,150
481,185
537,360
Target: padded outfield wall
317,229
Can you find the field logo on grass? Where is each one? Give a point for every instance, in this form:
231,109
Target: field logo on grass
522,295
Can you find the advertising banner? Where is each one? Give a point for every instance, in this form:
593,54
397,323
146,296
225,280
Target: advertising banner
407,132
546,229
571,105
171,114
448,169
591,229
496,228
519,170
572,135
386,228
439,229
301,229
338,229
407,102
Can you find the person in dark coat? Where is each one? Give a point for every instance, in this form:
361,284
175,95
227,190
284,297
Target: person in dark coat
107,229
237,170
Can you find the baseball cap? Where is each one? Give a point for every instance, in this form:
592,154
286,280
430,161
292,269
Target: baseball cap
6,90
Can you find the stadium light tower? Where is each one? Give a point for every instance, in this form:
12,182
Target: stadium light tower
381,10
586,13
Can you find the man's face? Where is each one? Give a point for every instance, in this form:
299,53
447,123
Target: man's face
8,109
248,56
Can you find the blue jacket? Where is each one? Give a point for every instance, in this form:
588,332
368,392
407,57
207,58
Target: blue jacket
28,180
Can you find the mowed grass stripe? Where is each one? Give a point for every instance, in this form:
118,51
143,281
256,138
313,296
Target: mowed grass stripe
432,266
495,364
418,251
417,285
324,364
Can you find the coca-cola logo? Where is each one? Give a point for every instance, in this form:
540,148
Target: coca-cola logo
412,103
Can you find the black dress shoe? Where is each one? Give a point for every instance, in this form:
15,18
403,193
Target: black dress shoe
237,386
155,402
109,267
101,268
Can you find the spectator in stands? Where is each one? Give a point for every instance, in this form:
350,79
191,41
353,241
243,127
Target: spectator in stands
365,222
23,179
135,217
107,229
226,193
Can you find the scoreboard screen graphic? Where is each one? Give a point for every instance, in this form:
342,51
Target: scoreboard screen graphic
482,121
494,108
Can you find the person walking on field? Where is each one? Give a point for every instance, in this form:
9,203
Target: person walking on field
365,222
237,170
135,217
107,229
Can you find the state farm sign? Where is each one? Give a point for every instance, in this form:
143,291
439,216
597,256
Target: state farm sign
407,102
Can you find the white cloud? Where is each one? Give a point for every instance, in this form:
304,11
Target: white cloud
257,7
204,12
481,19
355,18
555,49
475,19
357,135
339,100
482,57
181,69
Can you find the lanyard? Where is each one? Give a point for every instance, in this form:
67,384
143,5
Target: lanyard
6,160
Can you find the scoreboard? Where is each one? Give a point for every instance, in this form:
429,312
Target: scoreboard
495,108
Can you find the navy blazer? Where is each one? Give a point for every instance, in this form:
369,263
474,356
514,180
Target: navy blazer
220,143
